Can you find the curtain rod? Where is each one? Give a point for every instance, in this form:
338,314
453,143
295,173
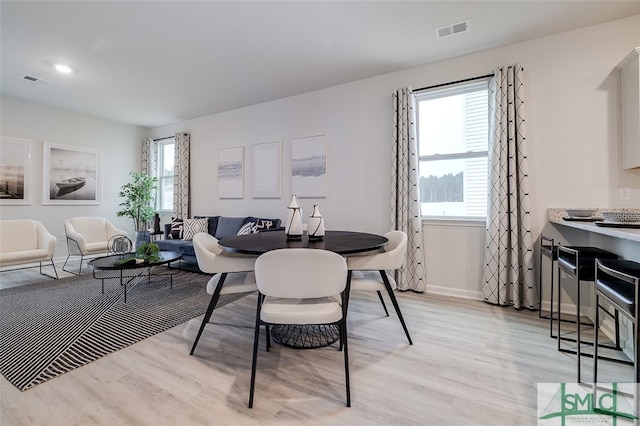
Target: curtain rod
454,82
161,139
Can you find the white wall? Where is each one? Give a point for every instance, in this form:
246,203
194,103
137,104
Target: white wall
119,147
573,121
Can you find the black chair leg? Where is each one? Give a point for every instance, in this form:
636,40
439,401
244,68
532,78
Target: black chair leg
578,338
70,271
345,349
559,336
210,308
53,265
267,330
596,328
550,303
256,337
392,296
382,301
65,264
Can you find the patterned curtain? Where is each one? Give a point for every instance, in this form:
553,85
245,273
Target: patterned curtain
405,203
149,156
181,199
508,277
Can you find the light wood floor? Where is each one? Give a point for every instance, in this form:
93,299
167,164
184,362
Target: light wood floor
471,364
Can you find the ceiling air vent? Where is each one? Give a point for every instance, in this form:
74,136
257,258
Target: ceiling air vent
453,29
37,80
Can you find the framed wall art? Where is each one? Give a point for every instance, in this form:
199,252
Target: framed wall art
71,175
266,170
15,171
231,173
309,166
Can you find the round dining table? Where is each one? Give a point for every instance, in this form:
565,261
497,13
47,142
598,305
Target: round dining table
344,243
341,242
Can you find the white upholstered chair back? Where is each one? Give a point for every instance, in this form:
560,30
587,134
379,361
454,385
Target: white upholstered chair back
301,273
302,287
25,241
212,259
87,236
232,273
369,272
25,235
390,259
91,233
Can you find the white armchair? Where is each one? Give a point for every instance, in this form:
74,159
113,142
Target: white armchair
88,236
26,241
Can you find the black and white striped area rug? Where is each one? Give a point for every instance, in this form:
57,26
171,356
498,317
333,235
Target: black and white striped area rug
52,327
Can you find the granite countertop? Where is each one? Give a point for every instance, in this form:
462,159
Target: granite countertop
556,216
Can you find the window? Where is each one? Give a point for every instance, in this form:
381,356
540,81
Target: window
453,136
164,200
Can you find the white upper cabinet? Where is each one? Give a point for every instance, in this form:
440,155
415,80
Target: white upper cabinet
630,91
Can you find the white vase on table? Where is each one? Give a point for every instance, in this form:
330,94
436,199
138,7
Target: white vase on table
315,226
293,224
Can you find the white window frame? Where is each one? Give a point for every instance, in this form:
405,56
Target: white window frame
440,91
159,172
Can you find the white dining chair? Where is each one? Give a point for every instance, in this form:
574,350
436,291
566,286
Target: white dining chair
368,272
301,287
233,273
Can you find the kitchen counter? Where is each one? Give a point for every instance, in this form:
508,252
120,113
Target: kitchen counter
556,217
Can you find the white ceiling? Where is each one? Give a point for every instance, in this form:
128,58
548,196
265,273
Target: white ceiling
150,63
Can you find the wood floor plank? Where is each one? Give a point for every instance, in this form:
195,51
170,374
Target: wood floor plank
471,364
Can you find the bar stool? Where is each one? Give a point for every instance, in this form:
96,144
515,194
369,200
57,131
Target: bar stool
618,282
548,249
579,263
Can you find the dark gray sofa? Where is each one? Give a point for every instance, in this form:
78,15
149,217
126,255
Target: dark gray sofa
218,226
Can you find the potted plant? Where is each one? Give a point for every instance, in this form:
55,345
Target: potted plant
149,252
139,198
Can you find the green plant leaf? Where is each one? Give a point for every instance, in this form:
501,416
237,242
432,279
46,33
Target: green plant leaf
139,199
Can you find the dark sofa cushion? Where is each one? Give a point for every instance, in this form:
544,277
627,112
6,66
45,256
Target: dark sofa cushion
229,226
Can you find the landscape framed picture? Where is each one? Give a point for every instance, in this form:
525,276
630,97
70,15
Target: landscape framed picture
71,175
266,170
231,173
309,166
15,171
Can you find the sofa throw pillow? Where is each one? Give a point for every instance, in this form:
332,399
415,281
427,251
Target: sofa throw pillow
247,228
193,226
176,229
213,223
262,224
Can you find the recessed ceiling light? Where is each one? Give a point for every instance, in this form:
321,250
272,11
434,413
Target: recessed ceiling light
63,68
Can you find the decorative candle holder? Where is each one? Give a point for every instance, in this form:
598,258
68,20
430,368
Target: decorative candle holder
293,224
315,226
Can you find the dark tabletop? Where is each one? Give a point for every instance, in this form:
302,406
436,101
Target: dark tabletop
341,242
111,262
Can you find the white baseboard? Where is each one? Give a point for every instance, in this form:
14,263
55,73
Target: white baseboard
454,292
